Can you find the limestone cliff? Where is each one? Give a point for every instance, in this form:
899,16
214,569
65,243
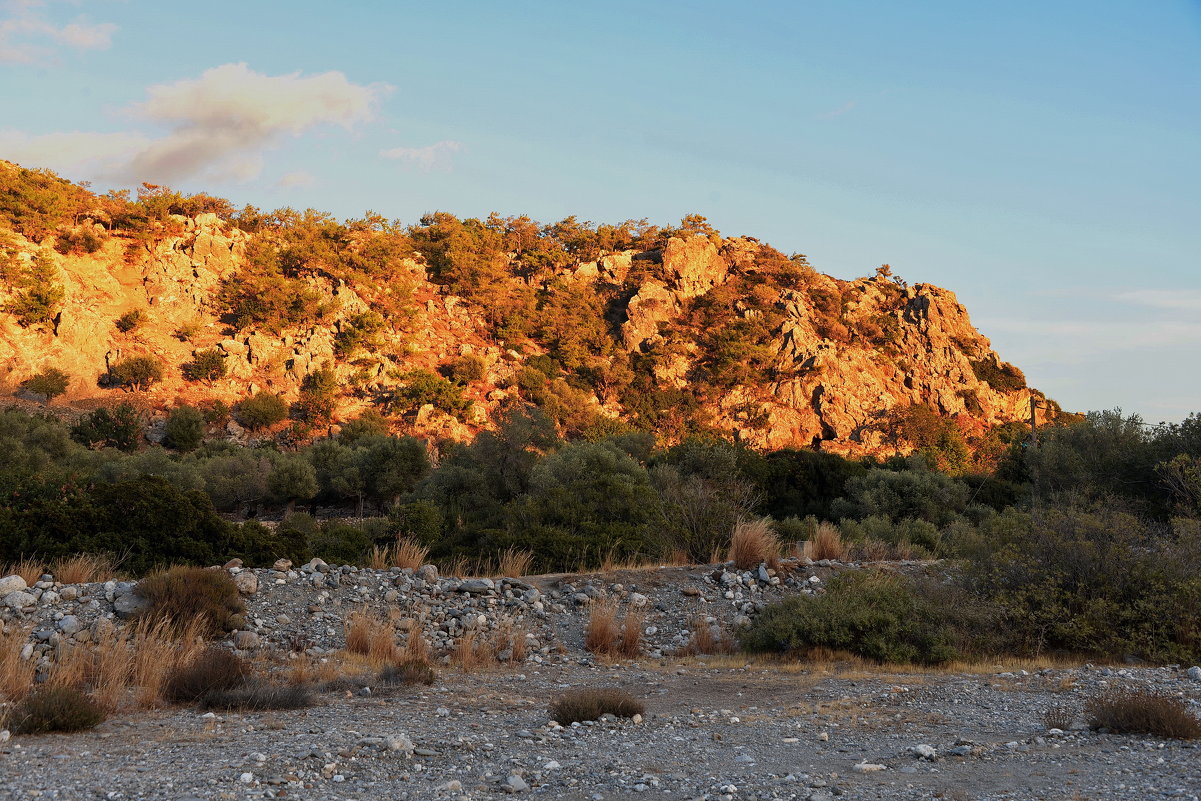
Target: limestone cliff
830,360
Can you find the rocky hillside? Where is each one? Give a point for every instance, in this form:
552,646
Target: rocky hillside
690,331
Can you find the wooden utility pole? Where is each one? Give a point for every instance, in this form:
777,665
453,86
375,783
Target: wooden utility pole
1033,422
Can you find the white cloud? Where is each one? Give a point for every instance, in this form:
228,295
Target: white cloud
1187,299
218,127
430,157
838,112
26,33
297,178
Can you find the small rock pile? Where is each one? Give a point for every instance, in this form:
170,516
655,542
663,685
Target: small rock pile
303,609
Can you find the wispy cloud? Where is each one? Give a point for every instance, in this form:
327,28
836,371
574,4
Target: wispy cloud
297,178
430,157
218,126
1078,338
838,112
28,36
1184,299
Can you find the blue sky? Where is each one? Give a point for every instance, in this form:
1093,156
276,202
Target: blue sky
1041,159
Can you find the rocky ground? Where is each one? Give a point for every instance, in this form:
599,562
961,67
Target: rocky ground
714,727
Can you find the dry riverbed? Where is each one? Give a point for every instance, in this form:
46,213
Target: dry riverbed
714,728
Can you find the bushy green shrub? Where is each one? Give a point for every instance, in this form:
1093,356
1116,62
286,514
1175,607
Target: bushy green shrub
206,365
117,427
318,396
37,295
262,411
82,239
136,372
1053,578
419,387
873,614
51,382
184,595
49,709
184,428
1001,376
130,320
466,369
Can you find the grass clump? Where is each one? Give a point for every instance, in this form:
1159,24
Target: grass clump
50,709
185,595
590,703
404,553
826,543
872,614
84,568
753,543
1135,711
213,669
257,695
408,672
370,635
605,636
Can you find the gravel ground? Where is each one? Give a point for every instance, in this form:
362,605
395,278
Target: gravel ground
714,729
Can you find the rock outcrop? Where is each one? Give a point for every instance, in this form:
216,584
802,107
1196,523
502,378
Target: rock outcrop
842,354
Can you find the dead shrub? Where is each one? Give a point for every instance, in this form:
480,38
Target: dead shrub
49,709
370,635
255,696
753,543
1137,711
1059,716
212,669
84,569
826,543
590,703
183,595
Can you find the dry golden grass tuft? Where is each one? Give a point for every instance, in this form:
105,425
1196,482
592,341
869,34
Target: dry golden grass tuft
473,651
753,542
1136,711
31,570
704,642
602,632
605,636
84,569
16,674
826,543
157,648
371,636
515,563
416,648
404,553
